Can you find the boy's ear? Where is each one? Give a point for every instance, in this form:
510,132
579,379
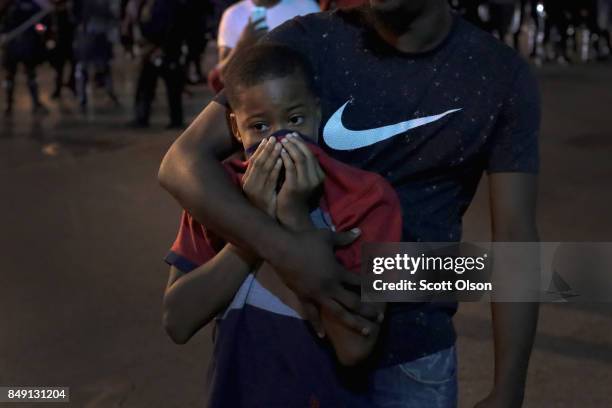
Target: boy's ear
234,126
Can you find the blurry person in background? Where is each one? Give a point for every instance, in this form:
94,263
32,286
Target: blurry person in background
128,15
22,28
557,20
197,16
501,14
218,8
470,9
162,27
528,13
587,32
93,47
604,19
244,23
61,52
598,24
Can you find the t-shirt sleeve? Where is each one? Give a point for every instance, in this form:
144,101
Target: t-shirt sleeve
192,247
230,28
515,142
195,244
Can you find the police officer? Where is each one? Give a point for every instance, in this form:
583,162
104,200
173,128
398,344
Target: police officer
61,53
23,44
163,31
96,19
557,17
197,14
502,15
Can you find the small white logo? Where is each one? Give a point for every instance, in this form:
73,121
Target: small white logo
338,137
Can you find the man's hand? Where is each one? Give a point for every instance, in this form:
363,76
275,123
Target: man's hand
303,178
497,400
260,179
314,274
307,264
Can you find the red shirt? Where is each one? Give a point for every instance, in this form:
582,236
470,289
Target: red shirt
351,198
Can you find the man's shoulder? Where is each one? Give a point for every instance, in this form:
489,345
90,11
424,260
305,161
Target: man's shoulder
489,53
320,23
480,40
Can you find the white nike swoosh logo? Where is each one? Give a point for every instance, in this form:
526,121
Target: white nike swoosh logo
338,137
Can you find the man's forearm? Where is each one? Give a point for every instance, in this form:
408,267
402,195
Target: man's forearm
514,328
191,171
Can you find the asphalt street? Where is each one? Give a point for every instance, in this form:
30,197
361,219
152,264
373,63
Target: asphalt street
84,227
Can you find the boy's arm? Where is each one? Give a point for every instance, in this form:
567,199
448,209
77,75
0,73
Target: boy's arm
193,299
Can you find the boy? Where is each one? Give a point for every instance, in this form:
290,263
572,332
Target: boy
265,353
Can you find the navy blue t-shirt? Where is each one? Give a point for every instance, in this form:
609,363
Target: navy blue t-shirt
430,123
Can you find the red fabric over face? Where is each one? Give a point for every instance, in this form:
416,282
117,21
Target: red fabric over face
352,197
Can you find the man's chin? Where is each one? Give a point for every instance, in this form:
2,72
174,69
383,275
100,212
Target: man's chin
385,5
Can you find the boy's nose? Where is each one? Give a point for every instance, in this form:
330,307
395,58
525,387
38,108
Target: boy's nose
279,133
275,129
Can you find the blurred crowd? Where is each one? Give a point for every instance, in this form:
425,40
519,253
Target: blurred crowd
562,31
78,39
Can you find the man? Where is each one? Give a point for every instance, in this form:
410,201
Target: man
378,67
501,14
162,30
22,42
472,12
557,12
197,14
63,28
239,29
96,19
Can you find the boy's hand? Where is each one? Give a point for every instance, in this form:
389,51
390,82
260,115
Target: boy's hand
303,177
261,177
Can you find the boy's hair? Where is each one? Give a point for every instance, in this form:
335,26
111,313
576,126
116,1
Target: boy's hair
261,62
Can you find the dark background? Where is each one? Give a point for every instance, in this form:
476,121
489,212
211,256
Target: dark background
84,227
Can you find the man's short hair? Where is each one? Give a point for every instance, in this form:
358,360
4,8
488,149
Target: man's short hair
261,62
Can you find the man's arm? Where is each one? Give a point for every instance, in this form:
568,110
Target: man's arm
193,299
303,177
513,208
192,173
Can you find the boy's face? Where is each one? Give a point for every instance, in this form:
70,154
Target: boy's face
272,105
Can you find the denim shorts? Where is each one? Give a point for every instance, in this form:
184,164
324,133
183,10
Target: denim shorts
429,382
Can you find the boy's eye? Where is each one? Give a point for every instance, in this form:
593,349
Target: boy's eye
260,127
296,120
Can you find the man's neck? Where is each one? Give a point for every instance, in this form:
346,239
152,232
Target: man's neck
422,33
266,3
